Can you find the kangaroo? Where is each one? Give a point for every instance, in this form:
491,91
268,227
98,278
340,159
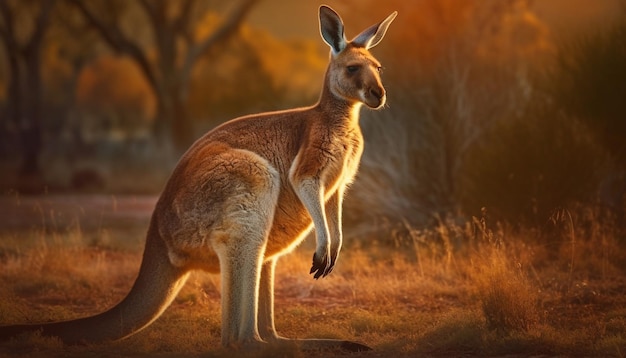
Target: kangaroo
246,193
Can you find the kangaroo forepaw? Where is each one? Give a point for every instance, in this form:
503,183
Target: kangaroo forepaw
320,266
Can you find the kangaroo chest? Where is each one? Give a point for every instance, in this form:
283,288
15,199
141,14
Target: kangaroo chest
334,159
348,150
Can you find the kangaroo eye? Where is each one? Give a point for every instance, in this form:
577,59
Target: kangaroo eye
379,69
352,69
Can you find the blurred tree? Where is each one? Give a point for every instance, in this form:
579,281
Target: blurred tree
23,41
112,91
455,70
589,83
69,47
528,166
172,28
271,74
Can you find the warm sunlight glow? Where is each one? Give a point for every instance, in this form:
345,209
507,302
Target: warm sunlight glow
487,217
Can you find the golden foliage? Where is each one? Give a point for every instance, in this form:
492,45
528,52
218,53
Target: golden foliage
115,82
254,72
296,67
495,31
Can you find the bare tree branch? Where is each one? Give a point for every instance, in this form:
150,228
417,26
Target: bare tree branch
118,41
226,30
6,27
147,6
41,25
183,17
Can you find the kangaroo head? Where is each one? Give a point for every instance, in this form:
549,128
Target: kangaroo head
353,73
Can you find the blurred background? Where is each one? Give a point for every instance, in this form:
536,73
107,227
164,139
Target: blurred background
506,109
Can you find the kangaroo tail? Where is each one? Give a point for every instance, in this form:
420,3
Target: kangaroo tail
155,288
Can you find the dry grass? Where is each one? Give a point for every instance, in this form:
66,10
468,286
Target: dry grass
470,290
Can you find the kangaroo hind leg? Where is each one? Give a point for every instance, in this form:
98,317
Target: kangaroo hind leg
239,241
267,327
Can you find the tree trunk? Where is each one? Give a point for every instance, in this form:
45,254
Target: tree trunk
25,92
172,126
172,122
182,129
30,177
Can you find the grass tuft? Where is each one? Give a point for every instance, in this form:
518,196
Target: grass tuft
507,298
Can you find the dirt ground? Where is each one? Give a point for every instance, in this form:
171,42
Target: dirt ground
65,256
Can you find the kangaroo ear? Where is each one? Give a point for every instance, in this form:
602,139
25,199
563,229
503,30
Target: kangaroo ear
331,28
374,34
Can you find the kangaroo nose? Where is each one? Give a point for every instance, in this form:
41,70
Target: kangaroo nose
377,92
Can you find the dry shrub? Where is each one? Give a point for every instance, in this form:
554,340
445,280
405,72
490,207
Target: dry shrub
491,262
507,297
